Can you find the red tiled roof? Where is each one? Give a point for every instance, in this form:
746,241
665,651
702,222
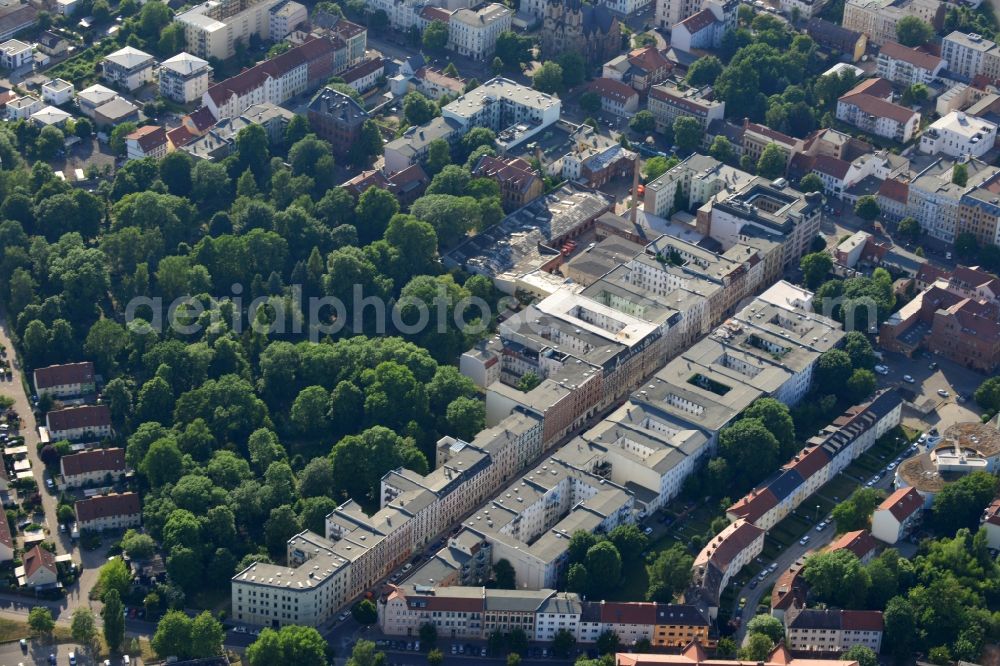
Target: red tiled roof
895,190
446,602
180,136
71,418
879,107
700,21
861,620
649,59
63,375
903,503
697,106
628,612
105,506
831,166
435,14
875,87
914,57
515,171
975,277
95,460
6,96
439,78
347,29
809,461
276,67
149,137
612,89
411,175
202,119
754,505
774,135
363,70
732,544
992,513
36,558
859,542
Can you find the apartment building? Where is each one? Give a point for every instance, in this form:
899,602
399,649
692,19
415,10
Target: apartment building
868,107
184,78
146,141
116,511
309,591
934,200
691,183
66,380
128,68
897,515
412,147
722,558
273,81
832,631
519,184
212,28
503,106
284,18
878,18
906,66
763,209
639,68
958,134
91,422
969,54
667,102
832,36
338,119
706,28
643,447
594,159
476,612
979,212
824,456
57,92
617,98
93,467
15,54
672,12
474,32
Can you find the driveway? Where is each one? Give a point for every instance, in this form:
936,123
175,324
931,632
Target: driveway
77,595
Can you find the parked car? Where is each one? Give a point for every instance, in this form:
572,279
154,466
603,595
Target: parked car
647,531
804,540
943,393
908,379
882,369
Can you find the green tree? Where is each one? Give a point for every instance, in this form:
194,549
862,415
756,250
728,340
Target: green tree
466,417
722,150
40,622
864,655
608,642
113,615
901,631
417,109
117,139
83,627
914,94
114,575
438,156
966,243
630,542
960,504
910,229
913,31
590,102
513,49
364,612
833,368
861,385
704,72
811,183
747,445
574,67
987,395
435,657
173,635
815,267
768,625
687,133
757,648
604,564
772,161
563,643
304,645
838,578
435,37
855,512
669,574
859,348
643,122
207,635
656,167
778,421
428,635
867,208
548,78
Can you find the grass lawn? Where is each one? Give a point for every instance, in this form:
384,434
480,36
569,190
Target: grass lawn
839,489
772,548
634,586
13,630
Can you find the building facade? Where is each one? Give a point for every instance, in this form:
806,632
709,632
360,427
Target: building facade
184,78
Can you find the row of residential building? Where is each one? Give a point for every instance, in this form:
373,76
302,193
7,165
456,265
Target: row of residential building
476,612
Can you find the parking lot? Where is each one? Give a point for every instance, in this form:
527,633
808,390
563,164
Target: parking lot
937,382
11,654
